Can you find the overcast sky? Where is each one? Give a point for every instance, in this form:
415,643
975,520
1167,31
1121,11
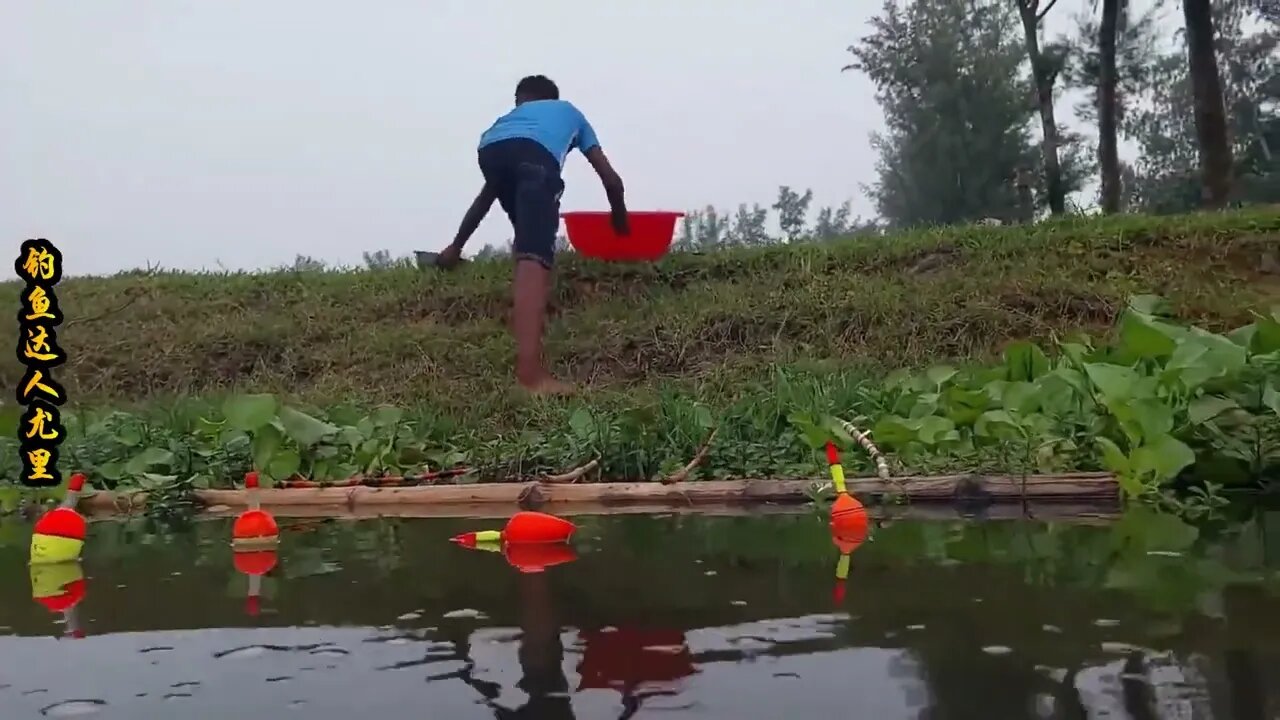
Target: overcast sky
195,134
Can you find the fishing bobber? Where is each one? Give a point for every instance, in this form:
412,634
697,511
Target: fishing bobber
58,535
524,528
254,564
537,557
60,587
848,516
530,557
255,528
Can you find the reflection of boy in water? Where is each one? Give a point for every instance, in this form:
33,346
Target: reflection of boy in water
635,662
629,660
541,655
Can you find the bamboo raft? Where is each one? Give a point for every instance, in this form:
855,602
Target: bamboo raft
956,489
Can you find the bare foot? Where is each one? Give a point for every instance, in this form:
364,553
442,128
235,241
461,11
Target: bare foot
548,385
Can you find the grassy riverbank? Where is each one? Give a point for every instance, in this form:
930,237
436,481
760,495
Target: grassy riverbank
750,341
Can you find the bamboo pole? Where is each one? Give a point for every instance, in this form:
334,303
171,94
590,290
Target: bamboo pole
945,488
1074,512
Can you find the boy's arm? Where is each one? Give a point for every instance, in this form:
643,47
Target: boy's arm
474,215
590,146
613,188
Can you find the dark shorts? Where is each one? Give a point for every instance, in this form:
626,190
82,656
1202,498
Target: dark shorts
527,179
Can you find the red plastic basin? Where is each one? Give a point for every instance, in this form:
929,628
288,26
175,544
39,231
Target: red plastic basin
591,234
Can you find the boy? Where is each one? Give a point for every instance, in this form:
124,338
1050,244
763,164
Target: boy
520,157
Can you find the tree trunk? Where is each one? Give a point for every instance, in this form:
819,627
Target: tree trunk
1210,109
1043,76
1108,155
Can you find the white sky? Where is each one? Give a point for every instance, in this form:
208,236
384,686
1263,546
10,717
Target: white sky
191,134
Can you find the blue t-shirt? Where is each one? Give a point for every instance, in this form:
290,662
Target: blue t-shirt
556,125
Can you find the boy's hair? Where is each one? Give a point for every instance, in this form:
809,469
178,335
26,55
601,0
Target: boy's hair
537,87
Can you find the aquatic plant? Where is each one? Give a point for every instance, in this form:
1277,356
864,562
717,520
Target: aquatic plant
1161,400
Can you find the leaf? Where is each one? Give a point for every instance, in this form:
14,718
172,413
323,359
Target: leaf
893,430
813,435
834,429
1020,398
113,471
1113,458
387,416
998,424
702,415
934,429
1271,398
1025,361
582,424
1146,337
250,412
1189,364
148,459
964,406
1243,336
304,429
1149,305
940,374
1115,382
285,464
129,435
1266,334
266,441
1161,458
1153,416
1207,407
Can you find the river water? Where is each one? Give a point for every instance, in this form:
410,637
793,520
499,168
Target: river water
677,616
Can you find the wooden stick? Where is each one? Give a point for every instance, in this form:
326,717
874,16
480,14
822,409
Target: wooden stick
573,475
683,473
864,439
945,488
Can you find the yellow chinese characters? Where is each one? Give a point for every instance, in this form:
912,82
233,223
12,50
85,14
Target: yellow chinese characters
40,432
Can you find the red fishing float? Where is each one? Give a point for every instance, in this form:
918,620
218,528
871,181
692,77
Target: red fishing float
255,564
58,536
848,516
254,528
537,557
525,527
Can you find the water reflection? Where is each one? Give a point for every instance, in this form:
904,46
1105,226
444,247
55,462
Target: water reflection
1144,618
60,587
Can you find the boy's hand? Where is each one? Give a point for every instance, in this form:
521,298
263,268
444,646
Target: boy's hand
449,258
621,226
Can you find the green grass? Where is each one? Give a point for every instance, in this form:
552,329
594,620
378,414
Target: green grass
742,340
703,321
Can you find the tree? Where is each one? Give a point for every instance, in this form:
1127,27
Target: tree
1210,107
1167,177
832,223
949,80
1046,65
793,211
1112,61
703,229
1108,110
748,226
306,263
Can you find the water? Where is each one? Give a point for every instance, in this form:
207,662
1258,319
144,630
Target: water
674,617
